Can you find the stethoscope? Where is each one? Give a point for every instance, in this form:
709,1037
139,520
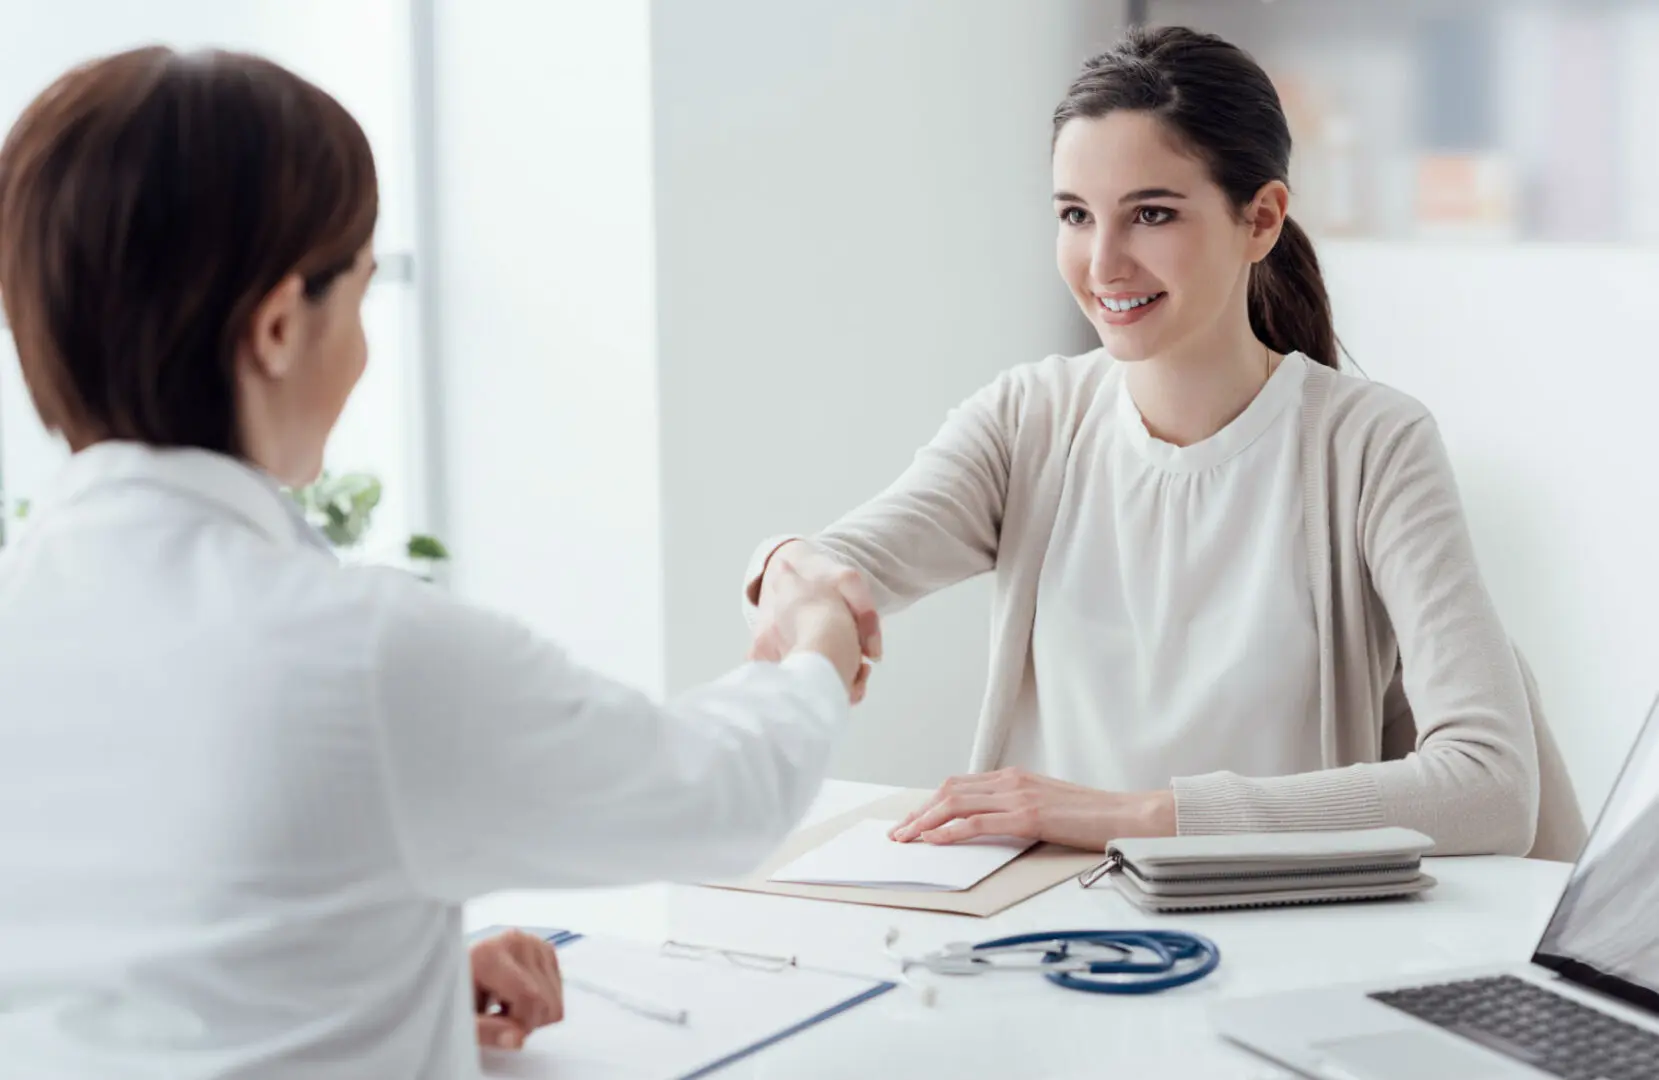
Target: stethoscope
1094,961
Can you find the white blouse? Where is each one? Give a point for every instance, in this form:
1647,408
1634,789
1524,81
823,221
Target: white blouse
1174,630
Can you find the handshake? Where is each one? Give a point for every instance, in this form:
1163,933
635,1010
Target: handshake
809,602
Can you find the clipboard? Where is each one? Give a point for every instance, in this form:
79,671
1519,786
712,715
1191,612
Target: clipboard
1039,869
736,1010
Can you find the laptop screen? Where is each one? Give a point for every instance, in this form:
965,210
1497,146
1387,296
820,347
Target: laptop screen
1605,931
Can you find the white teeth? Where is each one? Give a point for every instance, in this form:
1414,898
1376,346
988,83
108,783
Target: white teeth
1128,305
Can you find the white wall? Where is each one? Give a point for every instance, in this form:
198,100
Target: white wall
545,247
1539,363
854,233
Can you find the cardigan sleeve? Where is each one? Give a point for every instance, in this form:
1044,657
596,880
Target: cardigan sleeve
939,522
1471,782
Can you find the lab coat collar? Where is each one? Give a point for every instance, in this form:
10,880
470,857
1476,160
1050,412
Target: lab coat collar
230,486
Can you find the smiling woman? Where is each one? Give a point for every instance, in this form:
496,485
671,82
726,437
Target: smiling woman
1235,590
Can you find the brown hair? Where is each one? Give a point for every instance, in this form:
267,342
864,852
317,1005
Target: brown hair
1219,103
148,202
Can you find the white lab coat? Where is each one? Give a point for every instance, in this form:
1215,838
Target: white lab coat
245,790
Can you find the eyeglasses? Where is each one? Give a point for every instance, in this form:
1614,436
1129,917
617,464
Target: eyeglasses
682,950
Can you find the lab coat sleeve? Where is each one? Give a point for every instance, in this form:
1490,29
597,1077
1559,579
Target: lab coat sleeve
510,766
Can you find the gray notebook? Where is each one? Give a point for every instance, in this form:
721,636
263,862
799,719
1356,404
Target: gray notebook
1199,873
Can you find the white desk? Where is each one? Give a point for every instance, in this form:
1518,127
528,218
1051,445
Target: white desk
1487,910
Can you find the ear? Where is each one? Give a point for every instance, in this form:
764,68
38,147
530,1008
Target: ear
1266,216
274,332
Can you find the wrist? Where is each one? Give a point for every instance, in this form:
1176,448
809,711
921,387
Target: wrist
779,555
1158,813
785,553
1145,813
825,627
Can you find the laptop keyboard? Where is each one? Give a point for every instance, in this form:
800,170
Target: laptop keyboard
1528,1023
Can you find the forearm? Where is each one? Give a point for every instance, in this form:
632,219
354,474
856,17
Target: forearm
897,570
1469,804
938,523
1471,781
509,766
732,768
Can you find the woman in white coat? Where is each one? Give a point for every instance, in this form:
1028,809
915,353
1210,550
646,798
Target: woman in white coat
247,789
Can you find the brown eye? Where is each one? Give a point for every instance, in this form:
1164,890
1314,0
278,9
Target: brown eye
1074,215
1154,215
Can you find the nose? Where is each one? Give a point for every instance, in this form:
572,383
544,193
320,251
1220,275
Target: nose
1109,260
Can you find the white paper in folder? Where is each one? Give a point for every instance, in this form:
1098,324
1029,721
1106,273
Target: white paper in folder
864,856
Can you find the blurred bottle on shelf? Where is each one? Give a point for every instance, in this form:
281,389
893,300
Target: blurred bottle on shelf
1464,185
1580,184
1636,39
1324,168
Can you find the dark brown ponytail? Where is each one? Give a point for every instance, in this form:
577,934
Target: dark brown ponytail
1289,309
1222,106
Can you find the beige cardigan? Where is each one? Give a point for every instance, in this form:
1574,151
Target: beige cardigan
1428,718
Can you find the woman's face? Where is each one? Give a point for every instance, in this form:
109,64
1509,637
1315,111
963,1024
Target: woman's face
1154,252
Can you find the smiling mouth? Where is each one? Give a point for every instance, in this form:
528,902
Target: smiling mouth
1129,303
1127,311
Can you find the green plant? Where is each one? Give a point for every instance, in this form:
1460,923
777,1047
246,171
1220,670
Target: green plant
429,548
341,507
426,552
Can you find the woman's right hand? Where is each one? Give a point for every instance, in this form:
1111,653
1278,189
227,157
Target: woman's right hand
516,988
811,603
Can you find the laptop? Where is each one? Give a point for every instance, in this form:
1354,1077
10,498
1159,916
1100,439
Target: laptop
1585,1008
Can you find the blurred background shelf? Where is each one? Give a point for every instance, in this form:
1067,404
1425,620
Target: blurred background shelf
1421,119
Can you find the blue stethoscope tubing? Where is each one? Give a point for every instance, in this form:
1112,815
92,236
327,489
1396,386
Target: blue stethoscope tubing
1169,949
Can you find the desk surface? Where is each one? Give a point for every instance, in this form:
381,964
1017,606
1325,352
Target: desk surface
1484,911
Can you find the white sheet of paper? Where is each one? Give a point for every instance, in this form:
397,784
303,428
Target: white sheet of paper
730,1008
864,856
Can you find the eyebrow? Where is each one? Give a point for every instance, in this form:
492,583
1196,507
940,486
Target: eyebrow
1133,196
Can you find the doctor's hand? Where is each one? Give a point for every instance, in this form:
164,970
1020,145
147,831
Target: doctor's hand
802,613
515,988
1013,802
799,563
